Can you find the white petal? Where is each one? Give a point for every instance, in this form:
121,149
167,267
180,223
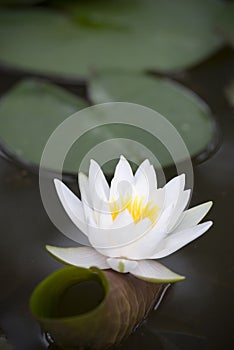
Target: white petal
123,219
162,222
99,190
105,216
84,188
159,197
72,205
193,216
105,220
179,208
177,240
142,169
144,245
97,182
110,242
173,189
153,271
79,256
145,181
121,265
133,241
86,198
123,180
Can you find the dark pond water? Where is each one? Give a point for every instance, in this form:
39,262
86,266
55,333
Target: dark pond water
194,314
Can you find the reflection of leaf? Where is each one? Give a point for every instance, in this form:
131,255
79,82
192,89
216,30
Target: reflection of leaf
178,340
179,105
230,93
225,23
4,344
125,303
142,34
30,112
19,2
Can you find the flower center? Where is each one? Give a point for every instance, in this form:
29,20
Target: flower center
135,207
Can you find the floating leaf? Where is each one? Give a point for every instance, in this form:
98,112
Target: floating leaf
29,113
187,113
32,110
93,318
225,23
143,34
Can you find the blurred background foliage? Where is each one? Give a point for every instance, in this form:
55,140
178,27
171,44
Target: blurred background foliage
106,50
74,38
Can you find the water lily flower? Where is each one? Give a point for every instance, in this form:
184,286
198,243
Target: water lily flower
132,222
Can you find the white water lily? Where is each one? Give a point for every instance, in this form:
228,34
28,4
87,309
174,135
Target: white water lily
132,222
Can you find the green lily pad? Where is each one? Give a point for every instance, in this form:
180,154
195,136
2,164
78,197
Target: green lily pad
33,109
92,35
225,23
29,113
186,111
72,318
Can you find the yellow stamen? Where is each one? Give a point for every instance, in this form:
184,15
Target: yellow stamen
135,207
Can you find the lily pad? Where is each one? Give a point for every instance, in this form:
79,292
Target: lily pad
29,113
225,23
183,109
88,36
33,109
120,309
